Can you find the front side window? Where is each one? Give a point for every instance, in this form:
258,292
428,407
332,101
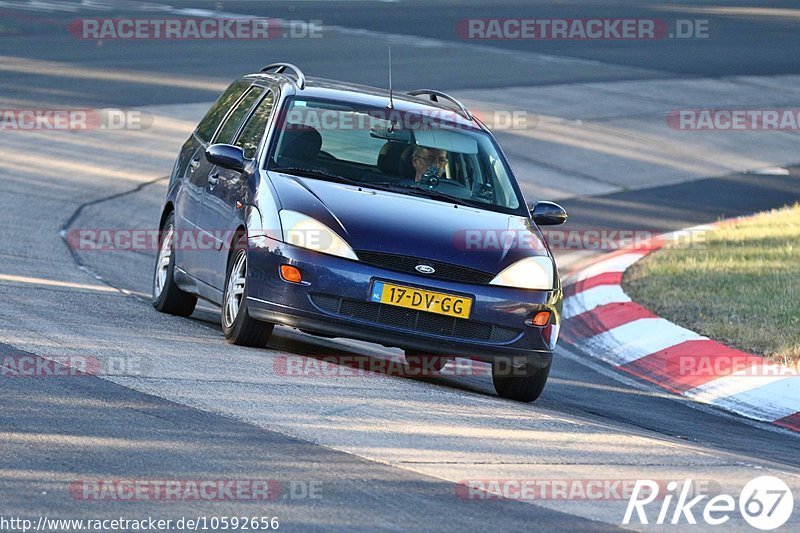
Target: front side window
256,125
434,156
231,124
210,123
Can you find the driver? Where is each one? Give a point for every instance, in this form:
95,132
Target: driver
428,162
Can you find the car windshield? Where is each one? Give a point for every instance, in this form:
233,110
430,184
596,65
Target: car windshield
413,154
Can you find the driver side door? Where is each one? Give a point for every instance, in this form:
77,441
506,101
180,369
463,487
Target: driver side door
226,189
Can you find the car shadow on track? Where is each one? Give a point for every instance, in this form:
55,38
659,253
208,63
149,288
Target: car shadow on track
363,358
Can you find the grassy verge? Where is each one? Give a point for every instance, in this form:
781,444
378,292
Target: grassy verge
740,286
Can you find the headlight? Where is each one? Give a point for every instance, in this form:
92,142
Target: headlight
306,232
529,273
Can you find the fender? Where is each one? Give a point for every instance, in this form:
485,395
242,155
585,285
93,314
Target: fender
261,215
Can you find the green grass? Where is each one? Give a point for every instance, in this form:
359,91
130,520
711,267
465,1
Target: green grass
740,285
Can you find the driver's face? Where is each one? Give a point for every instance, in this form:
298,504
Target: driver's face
430,158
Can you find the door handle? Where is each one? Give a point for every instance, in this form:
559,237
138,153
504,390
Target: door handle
213,179
193,164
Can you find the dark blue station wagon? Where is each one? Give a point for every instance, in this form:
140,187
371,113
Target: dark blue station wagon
348,211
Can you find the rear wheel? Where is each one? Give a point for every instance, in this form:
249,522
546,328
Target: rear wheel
237,324
429,363
167,296
524,384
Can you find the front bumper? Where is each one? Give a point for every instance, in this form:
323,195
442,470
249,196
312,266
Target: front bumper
334,299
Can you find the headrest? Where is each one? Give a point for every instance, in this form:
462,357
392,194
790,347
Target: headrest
395,159
406,167
300,142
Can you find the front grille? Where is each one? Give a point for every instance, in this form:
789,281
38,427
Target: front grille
409,319
408,264
326,303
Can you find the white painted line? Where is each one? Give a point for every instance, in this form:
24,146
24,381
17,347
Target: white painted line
618,263
638,339
566,261
772,171
767,398
685,235
729,386
42,282
658,392
594,298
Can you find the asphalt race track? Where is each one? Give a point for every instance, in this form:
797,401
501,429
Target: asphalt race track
376,452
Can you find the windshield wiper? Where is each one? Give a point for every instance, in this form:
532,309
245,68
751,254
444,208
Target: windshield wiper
385,186
314,173
428,193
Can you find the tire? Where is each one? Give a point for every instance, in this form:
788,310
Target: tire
525,384
237,324
430,363
167,296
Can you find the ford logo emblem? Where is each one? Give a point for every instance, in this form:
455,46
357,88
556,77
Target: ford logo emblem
425,269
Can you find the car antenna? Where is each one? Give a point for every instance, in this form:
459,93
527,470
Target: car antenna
391,102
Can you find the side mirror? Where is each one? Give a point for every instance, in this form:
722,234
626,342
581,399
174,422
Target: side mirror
548,214
226,156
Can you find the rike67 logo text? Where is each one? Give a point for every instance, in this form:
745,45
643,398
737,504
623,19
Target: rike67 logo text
765,503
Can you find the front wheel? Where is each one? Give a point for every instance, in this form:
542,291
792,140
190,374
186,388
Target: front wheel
167,296
524,384
237,324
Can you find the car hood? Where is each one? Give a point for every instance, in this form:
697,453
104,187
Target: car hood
387,222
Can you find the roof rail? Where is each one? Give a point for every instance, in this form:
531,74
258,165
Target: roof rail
281,67
435,95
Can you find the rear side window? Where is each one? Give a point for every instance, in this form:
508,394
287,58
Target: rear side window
257,124
207,127
231,124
